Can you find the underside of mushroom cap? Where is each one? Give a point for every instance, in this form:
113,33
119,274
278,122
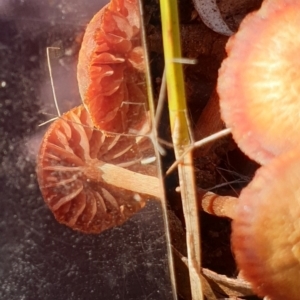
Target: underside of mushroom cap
266,229
70,178
259,82
111,68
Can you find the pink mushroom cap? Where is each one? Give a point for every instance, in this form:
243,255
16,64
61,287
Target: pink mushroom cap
259,81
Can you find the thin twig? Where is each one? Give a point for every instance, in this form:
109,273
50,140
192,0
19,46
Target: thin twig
51,79
198,144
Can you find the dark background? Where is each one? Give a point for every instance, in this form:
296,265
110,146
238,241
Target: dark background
39,258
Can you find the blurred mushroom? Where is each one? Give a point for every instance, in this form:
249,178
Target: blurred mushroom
266,230
259,83
266,227
91,181
111,68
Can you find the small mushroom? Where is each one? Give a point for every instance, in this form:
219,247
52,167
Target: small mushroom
266,227
259,82
89,180
111,68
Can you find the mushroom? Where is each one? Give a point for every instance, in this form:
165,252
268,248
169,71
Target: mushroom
266,227
92,181
111,71
259,82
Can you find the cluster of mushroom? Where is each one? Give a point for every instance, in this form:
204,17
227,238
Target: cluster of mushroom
259,88
89,166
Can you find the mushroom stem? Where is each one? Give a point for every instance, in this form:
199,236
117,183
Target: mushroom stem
221,206
130,180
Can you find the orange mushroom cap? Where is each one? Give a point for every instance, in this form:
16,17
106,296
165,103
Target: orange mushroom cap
259,82
266,229
111,68
91,181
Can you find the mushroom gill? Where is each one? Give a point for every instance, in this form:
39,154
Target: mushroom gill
111,68
89,180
